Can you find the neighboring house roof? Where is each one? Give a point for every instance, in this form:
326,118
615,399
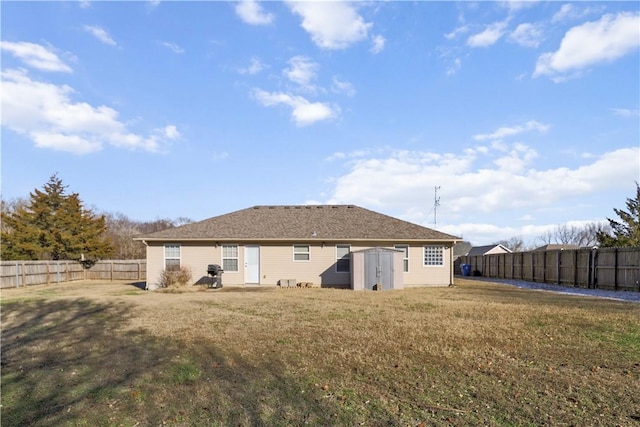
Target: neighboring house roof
556,247
335,222
461,249
488,249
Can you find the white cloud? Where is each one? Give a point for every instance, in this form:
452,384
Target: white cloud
528,35
35,56
569,11
515,6
489,36
175,48
251,12
378,44
339,86
626,112
400,181
170,132
454,67
254,68
455,33
332,25
101,34
605,40
503,132
566,10
302,71
46,114
303,111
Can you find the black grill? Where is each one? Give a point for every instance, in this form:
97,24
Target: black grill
215,271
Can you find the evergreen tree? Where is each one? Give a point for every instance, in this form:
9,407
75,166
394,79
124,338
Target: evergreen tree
53,225
626,232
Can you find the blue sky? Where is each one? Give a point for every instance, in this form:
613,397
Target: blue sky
524,114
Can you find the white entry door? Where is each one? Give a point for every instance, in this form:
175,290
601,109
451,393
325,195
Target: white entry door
252,264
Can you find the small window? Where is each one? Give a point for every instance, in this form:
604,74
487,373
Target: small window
230,258
171,257
301,253
434,255
405,260
343,258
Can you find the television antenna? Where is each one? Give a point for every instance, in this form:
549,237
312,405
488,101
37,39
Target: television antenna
436,203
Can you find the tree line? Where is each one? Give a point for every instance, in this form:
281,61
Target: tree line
54,225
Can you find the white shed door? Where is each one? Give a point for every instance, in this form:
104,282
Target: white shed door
252,264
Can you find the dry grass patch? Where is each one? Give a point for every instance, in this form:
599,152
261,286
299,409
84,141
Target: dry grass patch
477,353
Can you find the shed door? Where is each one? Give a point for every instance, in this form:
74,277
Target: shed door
385,262
370,270
378,270
252,264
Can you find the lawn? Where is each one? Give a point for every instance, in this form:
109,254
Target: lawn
474,354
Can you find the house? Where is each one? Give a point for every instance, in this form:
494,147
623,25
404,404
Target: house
556,247
461,249
488,250
262,245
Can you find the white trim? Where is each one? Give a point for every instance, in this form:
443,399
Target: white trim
237,257
405,248
165,257
338,259
424,250
308,253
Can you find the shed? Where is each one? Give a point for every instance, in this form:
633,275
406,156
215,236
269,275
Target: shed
377,269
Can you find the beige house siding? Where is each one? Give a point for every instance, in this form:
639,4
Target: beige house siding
420,275
276,262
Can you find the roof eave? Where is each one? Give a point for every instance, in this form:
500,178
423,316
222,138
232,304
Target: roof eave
296,239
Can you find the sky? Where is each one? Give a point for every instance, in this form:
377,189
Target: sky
485,120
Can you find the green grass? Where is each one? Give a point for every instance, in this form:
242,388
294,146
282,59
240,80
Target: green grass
474,354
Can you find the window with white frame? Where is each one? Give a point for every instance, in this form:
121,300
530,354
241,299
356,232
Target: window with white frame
230,258
301,253
405,259
343,258
171,257
434,256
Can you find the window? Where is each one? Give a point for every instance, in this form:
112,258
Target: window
230,258
343,257
434,255
301,253
171,257
405,261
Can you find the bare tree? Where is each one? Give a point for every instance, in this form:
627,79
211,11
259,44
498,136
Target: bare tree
515,244
582,236
122,230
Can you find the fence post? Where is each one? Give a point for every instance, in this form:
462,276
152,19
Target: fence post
559,263
139,270
17,275
533,267
111,263
615,269
575,268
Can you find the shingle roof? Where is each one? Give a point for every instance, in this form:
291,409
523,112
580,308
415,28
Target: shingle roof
556,247
481,250
337,222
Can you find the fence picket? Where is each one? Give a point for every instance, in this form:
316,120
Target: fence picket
27,273
602,268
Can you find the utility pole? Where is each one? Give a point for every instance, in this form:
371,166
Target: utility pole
436,203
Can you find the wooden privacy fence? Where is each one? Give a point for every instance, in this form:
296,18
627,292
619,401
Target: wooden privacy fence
26,273
603,268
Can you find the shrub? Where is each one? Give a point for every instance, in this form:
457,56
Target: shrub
173,277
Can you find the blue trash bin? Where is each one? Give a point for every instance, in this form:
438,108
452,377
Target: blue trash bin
466,269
